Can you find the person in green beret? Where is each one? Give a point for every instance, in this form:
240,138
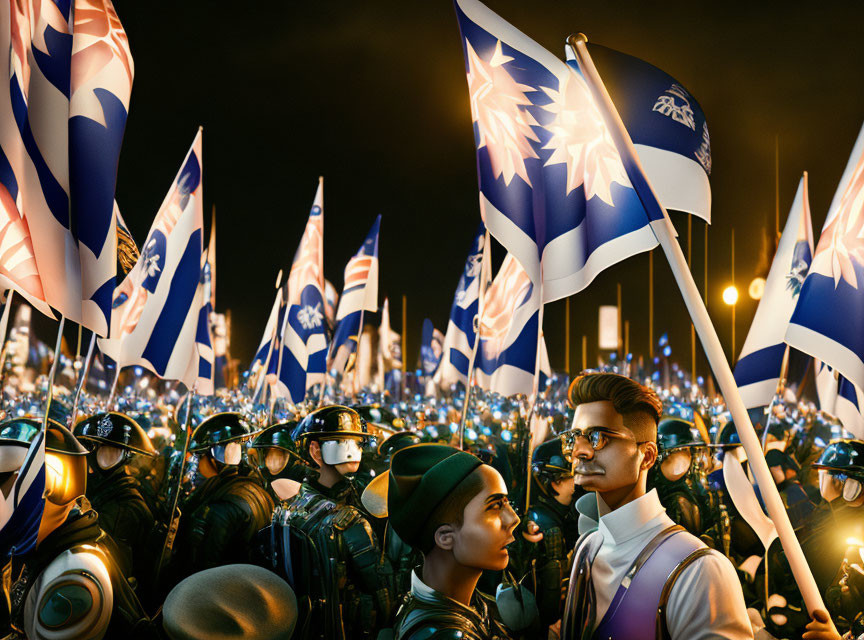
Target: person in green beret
454,509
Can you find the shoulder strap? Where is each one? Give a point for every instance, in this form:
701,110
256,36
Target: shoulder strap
662,627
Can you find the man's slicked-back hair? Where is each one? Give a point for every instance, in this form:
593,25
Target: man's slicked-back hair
632,400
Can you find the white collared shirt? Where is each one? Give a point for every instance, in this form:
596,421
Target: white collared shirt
705,603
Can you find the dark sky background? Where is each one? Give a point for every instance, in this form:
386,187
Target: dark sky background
372,95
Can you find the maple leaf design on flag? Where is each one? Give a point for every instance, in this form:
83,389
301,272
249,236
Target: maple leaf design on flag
841,246
497,107
310,317
581,140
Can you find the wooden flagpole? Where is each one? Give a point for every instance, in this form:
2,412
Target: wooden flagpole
665,233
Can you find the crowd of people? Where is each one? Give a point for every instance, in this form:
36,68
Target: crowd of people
177,516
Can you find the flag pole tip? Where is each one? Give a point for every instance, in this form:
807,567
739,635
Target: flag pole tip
320,178
573,38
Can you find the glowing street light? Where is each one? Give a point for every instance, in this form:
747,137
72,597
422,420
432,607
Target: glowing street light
757,288
730,295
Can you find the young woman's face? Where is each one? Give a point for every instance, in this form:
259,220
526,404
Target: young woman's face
487,525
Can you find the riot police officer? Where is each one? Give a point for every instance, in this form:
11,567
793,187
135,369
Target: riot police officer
322,542
277,459
834,544
62,579
113,440
553,494
673,476
225,512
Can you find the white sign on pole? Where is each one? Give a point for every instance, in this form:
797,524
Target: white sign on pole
608,323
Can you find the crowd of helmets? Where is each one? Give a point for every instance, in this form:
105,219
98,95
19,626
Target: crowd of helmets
817,465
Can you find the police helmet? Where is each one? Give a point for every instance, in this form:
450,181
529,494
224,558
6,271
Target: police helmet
334,421
677,433
844,456
117,430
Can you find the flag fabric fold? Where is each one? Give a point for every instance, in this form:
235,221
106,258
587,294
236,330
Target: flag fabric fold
828,321
431,341
302,354
667,127
63,112
359,294
158,306
461,332
507,354
554,189
757,370
21,510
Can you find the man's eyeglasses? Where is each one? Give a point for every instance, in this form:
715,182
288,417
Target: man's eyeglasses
597,437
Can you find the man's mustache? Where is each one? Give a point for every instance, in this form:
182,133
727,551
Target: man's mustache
588,468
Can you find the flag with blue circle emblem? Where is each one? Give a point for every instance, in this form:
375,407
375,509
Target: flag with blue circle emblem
302,347
159,305
828,321
554,189
359,294
757,370
461,332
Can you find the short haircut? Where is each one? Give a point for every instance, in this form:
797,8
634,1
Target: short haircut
640,406
452,509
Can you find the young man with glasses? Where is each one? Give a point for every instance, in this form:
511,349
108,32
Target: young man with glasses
639,576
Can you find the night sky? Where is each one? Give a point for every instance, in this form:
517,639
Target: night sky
372,95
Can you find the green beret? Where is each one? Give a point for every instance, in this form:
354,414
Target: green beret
232,601
419,480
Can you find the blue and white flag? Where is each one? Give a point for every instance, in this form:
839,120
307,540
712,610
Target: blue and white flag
63,106
828,322
840,398
667,127
157,307
757,371
203,338
461,332
507,354
21,510
302,355
431,342
359,294
553,187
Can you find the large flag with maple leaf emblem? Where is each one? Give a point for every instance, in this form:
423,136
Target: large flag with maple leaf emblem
302,359
507,354
63,111
158,307
828,321
359,294
757,371
553,188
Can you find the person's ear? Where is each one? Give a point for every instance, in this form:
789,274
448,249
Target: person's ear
315,453
649,456
445,537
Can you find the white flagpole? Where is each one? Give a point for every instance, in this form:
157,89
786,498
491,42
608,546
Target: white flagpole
485,266
85,372
665,233
52,373
262,376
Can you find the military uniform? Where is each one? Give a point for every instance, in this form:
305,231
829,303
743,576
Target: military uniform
223,514
679,496
547,563
322,543
115,494
430,615
71,586
68,584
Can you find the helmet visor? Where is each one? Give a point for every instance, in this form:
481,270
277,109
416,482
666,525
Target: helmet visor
340,451
228,453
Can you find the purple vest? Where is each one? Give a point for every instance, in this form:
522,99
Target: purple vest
636,611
